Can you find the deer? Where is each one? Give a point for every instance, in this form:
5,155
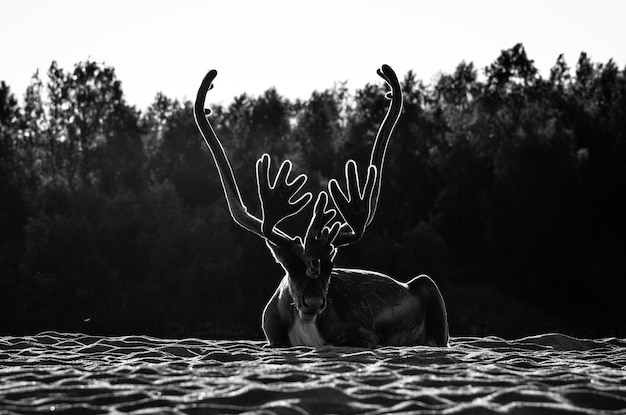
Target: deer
315,303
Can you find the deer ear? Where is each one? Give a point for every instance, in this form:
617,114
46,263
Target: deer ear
281,255
287,257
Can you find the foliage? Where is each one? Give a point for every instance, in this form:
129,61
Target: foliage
507,189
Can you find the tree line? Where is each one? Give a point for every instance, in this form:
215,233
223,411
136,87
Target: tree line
507,187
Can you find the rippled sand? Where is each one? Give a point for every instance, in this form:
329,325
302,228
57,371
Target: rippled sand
75,373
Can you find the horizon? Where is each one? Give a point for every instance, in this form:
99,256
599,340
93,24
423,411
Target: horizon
295,49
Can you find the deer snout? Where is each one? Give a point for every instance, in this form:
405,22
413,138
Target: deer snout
313,304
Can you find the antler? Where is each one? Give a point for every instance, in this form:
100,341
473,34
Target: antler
319,238
275,199
358,208
276,203
355,207
386,129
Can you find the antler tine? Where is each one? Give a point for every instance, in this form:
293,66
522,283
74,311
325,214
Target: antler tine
379,149
276,199
237,208
318,231
319,238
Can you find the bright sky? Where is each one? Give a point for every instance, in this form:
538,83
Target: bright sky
296,46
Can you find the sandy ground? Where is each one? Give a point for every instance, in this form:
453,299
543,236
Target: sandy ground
80,374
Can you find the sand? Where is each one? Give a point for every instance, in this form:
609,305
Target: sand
81,374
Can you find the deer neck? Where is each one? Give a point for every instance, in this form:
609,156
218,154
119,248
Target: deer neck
305,333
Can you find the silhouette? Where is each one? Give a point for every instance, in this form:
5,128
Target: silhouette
316,303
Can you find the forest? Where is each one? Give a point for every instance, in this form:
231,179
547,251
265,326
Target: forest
508,188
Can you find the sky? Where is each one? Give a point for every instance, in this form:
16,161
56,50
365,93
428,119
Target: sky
295,46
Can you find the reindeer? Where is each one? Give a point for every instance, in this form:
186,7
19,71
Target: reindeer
317,304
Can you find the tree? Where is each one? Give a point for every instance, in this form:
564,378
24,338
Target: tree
318,131
183,159
80,104
12,203
121,158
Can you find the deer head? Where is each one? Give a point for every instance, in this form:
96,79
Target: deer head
307,262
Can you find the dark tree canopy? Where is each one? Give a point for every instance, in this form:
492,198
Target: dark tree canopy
509,189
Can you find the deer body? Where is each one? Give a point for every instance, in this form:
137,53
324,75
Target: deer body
317,304
365,309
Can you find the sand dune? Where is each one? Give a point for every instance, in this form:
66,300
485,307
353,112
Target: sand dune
80,374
